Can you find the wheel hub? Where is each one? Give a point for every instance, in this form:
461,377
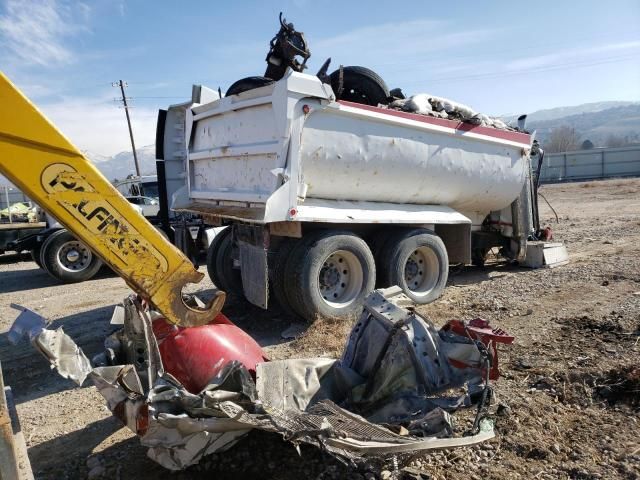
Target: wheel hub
421,271
329,276
340,278
413,270
333,276
74,257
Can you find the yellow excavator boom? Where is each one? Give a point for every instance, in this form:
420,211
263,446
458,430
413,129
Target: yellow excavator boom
45,165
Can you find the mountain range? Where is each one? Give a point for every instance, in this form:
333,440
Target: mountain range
121,165
592,121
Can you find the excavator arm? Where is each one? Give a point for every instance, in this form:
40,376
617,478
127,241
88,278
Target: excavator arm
45,165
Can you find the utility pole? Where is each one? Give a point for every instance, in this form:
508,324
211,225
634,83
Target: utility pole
122,84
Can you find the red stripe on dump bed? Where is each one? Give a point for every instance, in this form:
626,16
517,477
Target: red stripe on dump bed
459,126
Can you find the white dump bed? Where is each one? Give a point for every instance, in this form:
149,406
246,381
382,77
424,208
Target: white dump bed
289,151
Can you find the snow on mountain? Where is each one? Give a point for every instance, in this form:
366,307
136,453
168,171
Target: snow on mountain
560,112
120,165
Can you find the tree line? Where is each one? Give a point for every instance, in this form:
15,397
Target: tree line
565,139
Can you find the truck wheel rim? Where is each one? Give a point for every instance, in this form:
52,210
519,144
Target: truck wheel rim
74,256
421,271
341,279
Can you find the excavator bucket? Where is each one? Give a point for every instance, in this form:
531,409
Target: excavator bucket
45,165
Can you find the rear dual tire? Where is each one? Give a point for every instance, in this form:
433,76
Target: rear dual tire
220,264
278,284
328,274
416,260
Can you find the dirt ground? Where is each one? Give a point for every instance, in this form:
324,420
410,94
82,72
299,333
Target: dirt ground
569,394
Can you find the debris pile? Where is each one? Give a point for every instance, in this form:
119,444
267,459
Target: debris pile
392,392
441,107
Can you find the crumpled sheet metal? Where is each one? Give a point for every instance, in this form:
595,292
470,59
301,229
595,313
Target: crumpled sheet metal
315,400
409,370
55,345
293,384
176,442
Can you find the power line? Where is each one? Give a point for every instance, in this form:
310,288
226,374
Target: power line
122,84
137,98
519,49
524,71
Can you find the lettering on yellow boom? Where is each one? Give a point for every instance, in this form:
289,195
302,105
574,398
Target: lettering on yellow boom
75,194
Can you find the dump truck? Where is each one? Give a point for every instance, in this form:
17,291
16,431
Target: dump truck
327,198
324,193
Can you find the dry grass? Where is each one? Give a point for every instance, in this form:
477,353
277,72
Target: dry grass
323,338
622,182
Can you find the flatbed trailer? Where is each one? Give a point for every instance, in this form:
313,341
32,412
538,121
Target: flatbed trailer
12,232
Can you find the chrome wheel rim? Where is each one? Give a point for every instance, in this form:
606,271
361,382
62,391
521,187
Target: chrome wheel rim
74,256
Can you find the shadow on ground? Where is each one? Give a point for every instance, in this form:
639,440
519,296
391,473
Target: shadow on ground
259,455
35,278
28,372
66,455
265,326
471,275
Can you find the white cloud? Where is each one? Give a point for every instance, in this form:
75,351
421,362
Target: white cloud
34,32
99,126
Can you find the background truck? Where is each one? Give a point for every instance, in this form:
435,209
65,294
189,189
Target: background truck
69,260
327,198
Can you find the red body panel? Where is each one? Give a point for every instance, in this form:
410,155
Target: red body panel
195,355
479,329
443,122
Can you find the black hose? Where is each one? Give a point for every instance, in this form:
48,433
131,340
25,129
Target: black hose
536,215
485,398
552,209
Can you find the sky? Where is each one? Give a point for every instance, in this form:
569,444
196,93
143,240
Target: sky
500,57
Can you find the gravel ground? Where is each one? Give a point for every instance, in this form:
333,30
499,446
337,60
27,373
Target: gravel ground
569,395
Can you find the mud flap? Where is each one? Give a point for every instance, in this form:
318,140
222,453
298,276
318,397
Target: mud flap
253,245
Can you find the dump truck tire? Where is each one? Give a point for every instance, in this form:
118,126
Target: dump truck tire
278,281
212,253
248,83
329,274
67,259
230,278
360,85
416,260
